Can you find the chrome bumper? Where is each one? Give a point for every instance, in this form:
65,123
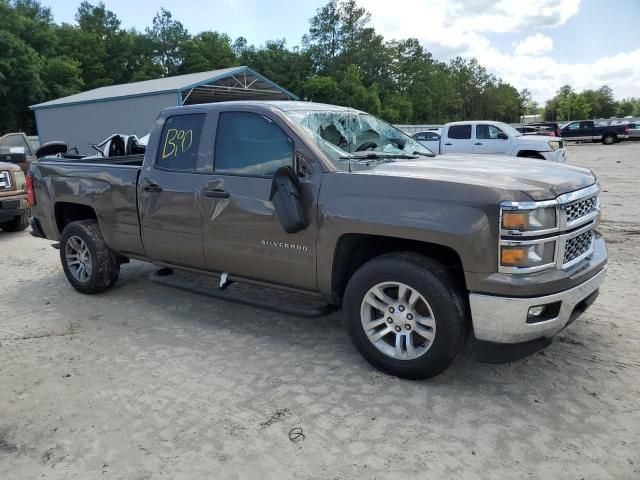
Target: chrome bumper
504,319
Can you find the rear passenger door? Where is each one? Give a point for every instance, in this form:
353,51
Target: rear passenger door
458,139
169,198
242,233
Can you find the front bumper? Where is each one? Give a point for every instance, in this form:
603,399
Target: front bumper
504,319
559,155
11,207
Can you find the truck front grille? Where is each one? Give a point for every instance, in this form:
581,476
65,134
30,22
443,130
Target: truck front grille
577,246
581,208
5,180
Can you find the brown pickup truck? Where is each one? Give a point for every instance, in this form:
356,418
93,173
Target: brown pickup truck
338,205
14,209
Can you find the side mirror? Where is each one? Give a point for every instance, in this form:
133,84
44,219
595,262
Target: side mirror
286,198
502,136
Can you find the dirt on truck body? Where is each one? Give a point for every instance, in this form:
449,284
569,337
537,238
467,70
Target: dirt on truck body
335,204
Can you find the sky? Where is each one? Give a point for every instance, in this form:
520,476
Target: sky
535,44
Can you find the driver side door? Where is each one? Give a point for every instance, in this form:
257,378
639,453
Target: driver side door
487,140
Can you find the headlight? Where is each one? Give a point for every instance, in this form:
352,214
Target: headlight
555,145
528,256
534,220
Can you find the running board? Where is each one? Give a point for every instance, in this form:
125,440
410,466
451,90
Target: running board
165,277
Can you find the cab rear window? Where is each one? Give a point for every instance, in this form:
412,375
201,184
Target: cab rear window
180,142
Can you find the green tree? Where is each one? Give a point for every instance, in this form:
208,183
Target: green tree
62,76
207,51
168,37
354,94
321,89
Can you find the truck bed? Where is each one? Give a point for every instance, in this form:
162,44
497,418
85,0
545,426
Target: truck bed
106,185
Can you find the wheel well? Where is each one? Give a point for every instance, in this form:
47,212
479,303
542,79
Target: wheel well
71,212
354,250
530,154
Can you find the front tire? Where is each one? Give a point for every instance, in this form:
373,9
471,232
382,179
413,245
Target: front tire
89,265
18,224
609,139
404,315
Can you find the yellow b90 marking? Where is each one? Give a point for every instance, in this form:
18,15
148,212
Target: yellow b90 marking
176,142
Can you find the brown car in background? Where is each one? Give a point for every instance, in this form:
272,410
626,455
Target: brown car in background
18,148
14,209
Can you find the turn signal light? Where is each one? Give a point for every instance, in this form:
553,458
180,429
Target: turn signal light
514,256
515,220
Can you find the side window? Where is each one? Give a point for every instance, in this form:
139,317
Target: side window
420,136
460,132
179,143
585,125
250,144
489,132
574,126
13,141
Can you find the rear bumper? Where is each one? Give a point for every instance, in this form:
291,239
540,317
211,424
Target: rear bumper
504,319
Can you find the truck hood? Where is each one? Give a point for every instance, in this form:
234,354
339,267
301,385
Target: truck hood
540,179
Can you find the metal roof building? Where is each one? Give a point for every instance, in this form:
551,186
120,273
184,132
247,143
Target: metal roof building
87,118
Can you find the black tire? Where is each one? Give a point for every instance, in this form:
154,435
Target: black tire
433,282
18,223
105,264
609,139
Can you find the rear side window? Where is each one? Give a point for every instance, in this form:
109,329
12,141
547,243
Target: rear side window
460,132
250,144
180,142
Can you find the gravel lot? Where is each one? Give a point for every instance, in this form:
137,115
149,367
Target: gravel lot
146,382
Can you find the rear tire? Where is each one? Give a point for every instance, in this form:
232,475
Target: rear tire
89,265
18,224
415,356
609,139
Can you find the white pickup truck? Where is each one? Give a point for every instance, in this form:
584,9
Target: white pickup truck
487,137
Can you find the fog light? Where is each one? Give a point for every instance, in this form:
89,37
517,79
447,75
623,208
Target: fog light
536,311
541,313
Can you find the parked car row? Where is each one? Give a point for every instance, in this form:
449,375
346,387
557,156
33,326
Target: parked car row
484,137
575,131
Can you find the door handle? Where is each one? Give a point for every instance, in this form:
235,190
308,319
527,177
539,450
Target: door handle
216,193
152,187
448,144
478,143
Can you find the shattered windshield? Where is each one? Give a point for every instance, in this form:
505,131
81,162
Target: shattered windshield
356,140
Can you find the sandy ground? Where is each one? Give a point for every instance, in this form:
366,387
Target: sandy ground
146,382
